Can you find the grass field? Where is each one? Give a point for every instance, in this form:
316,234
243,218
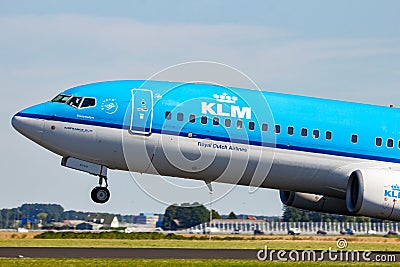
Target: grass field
246,244
372,243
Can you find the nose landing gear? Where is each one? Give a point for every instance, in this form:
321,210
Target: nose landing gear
101,194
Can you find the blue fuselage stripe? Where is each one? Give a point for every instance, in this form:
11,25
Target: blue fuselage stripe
215,138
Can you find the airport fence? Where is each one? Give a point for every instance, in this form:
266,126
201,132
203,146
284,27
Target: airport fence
249,226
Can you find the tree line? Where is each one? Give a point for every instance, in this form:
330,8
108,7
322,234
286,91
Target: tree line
33,214
175,217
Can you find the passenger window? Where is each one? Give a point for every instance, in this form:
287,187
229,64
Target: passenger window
399,144
328,135
264,127
228,123
251,125
215,121
304,132
378,141
290,130
390,143
239,124
203,120
75,101
354,138
168,115
277,129
192,118
88,102
315,134
179,116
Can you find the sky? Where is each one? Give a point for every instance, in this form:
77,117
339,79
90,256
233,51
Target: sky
347,50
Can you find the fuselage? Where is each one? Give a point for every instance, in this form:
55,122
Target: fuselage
217,133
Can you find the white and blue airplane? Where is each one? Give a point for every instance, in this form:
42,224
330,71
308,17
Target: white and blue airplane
323,155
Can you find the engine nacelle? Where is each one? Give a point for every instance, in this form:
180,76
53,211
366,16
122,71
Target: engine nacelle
374,193
314,202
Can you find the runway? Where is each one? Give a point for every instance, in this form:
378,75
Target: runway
143,253
178,253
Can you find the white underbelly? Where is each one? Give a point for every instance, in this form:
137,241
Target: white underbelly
206,160
241,164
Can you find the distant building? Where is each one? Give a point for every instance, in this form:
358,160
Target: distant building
88,226
114,223
73,223
97,220
108,222
56,226
147,218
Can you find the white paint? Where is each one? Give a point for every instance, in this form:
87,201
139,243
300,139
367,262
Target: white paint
234,112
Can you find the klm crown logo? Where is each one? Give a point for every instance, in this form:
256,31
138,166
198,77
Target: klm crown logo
225,98
222,110
395,187
393,193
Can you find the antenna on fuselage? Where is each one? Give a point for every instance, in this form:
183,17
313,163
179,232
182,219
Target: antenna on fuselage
209,186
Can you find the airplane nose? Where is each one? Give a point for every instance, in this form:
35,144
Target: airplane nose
15,123
30,127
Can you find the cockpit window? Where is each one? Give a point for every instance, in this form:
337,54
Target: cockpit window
61,98
75,101
88,102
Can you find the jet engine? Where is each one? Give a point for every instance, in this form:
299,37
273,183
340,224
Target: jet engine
374,193
314,202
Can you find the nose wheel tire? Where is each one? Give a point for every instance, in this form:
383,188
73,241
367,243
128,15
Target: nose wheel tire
100,194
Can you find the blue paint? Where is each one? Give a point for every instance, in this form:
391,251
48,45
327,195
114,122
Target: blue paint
341,118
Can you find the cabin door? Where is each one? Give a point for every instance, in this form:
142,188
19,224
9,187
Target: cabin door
142,111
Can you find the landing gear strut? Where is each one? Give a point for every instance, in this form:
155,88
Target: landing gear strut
101,194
